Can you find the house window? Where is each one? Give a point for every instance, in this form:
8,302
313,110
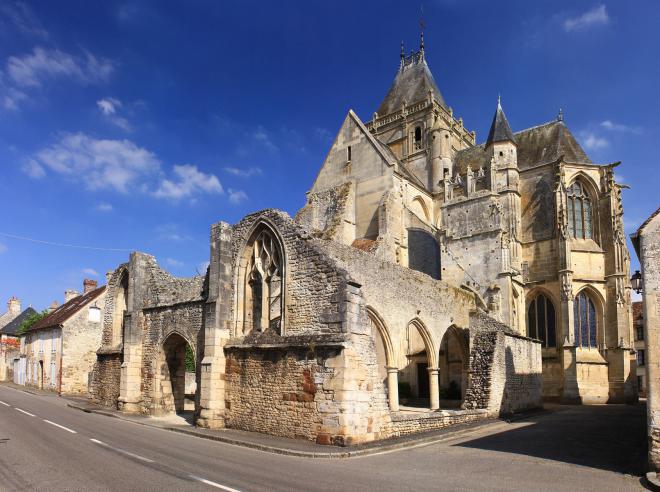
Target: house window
584,321
640,382
640,332
640,357
579,212
418,138
53,373
541,321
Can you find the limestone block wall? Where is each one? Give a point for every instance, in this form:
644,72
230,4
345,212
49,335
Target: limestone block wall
330,213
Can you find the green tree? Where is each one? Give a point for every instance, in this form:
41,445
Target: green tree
190,359
30,320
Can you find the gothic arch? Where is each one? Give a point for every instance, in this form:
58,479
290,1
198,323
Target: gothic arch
379,323
598,301
260,280
169,381
418,202
428,341
592,192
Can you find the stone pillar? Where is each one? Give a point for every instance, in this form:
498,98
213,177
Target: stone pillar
434,388
393,388
130,395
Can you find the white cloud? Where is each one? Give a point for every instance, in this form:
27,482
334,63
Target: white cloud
189,181
237,196
21,16
104,207
31,70
244,173
3,248
618,127
10,97
90,271
33,169
593,142
110,107
595,17
174,263
98,163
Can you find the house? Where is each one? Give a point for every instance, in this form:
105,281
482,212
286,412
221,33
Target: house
10,345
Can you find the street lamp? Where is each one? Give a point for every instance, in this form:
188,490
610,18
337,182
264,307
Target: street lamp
636,281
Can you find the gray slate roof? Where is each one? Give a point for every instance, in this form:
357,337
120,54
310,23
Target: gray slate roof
11,328
500,131
411,84
537,145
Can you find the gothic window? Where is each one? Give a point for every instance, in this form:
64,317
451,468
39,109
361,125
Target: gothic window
541,321
418,138
263,286
585,321
579,212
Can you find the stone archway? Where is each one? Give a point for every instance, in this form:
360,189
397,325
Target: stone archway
171,375
453,361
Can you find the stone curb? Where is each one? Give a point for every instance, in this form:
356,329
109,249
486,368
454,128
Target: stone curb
384,448
652,481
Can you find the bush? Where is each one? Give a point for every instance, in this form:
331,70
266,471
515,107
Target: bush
30,320
190,359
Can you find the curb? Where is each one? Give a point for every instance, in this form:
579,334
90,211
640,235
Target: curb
652,481
385,448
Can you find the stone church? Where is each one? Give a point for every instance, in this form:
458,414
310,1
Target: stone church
425,271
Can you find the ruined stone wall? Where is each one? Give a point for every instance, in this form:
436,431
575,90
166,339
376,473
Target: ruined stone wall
106,379
330,213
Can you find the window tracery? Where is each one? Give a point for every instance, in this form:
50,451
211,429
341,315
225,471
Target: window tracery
579,212
585,321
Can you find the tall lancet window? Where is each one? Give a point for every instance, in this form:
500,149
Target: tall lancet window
541,321
579,212
263,285
585,321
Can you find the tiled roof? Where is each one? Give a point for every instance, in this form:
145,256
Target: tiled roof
66,310
11,328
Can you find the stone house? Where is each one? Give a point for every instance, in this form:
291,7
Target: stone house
60,349
13,310
423,270
647,246
640,346
10,344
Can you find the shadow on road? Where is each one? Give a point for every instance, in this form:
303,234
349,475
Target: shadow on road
608,437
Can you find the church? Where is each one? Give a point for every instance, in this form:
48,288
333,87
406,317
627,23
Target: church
428,280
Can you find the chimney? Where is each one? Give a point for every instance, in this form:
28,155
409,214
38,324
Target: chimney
70,294
53,306
14,305
89,285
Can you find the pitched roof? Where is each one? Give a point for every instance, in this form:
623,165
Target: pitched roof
66,310
500,131
12,327
412,83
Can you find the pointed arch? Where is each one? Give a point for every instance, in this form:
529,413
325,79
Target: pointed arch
380,325
588,317
418,204
428,341
541,316
582,207
260,281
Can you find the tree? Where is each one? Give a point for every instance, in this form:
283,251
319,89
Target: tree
190,359
30,320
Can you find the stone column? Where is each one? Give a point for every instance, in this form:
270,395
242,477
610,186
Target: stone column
434,388
393,388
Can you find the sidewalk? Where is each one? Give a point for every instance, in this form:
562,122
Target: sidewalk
283,445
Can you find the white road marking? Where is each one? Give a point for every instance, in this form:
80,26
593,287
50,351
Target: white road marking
5,404
127,453
26,413
60,426
213,484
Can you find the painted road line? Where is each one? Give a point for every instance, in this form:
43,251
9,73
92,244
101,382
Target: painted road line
60,426
127,453
26,413
5,404
213,484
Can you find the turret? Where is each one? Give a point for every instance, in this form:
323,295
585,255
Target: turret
440,140
501,144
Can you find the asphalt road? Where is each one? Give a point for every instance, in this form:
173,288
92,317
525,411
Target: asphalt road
47,446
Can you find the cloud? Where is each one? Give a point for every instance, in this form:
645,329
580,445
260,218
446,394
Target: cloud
189,181
104,207
10,97
32,70
33,169
618,127
262,137
244,173
90,271
110,106
174,263
595,17
98,163
237,196
593,142
3,248
21,16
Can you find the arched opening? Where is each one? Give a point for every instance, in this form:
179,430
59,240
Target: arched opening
541,320
419,377
580,213
585,321
418,207
418,138
260,278
387,370
453,362
119,310
424,253
175,376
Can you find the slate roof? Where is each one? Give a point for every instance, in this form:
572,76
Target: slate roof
66,310
500,131
537,145
12,327
411,84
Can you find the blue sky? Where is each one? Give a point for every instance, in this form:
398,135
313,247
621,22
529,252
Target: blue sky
137,125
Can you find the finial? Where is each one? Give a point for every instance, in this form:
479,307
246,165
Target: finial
421,28
499,100
560,115
403,53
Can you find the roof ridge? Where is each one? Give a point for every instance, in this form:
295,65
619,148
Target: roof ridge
538,126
